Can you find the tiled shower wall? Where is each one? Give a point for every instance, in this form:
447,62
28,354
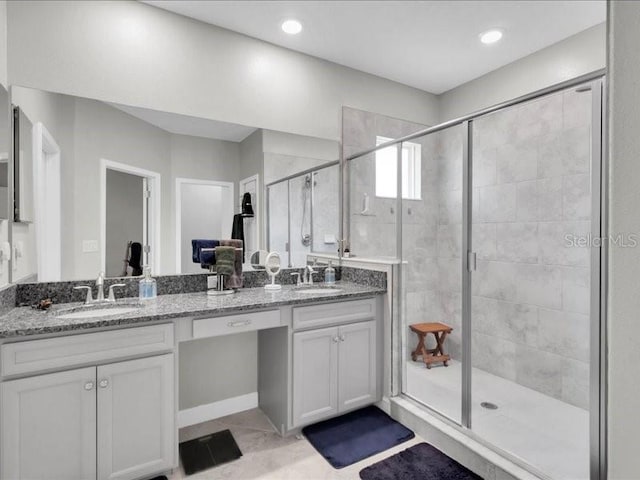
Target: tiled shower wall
531,195
372,234
531,183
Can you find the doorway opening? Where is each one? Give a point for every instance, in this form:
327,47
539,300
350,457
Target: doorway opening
204,210
130,211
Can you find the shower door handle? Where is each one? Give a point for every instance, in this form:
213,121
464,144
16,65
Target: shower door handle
471,261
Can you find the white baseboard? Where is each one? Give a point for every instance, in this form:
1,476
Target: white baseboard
211,411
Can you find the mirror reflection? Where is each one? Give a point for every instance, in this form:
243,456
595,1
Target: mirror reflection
23,155
303,213
115,187
4,154
5,204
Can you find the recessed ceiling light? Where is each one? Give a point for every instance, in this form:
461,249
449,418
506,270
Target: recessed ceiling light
292,27
491,36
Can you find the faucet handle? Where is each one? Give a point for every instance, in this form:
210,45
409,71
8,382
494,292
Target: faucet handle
89,297
310,271
112,296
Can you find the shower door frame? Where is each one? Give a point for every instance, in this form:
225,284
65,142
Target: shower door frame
598,285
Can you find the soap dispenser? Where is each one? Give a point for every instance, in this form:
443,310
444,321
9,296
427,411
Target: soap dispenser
148,289
329,275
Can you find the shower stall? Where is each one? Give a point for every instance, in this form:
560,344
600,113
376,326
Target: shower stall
303,214
496,232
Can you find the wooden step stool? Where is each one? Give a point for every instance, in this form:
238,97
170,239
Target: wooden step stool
431,355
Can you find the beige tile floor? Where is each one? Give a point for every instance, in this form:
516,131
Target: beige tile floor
266,455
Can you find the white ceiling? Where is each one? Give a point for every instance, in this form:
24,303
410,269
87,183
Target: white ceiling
430,45
186,125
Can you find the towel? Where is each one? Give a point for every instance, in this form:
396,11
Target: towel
225,260
235,280
135,259
247,208
205,259
237,232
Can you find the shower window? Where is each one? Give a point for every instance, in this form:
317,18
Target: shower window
387,166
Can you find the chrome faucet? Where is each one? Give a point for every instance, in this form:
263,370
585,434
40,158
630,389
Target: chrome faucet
297,275
100,285
308,275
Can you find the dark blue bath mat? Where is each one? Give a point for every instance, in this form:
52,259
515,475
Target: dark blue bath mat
420,462
351,437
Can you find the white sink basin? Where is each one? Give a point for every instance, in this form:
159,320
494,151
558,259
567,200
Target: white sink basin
319,290
97,312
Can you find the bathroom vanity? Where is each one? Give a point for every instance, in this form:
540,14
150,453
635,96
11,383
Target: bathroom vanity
96,398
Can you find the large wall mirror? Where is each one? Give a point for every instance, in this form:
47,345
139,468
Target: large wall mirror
5,179
108,187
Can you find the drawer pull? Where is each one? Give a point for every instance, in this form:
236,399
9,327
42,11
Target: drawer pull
239,323
104,383
88,386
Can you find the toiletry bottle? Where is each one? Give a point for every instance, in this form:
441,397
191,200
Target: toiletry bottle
147,289
329,275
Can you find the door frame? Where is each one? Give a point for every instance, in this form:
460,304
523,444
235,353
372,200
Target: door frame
227,222
257,206
47,204
151,217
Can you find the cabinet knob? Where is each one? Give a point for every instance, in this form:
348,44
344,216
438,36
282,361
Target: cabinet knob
89,386
336,339
104,383
342,338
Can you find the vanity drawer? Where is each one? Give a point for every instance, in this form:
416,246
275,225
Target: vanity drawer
334,313
52,353
230,324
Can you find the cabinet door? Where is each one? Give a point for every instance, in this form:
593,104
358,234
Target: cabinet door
357,372
49,426
315,370
136,418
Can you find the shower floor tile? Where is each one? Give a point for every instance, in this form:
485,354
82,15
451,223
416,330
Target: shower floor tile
550,435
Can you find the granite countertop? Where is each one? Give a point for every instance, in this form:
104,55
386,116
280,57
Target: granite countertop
24,321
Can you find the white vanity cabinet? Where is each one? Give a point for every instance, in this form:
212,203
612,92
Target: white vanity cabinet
315,375
334,370
135,418
111,420
49,426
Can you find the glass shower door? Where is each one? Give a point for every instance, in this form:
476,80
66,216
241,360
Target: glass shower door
530,304
278,215
432,218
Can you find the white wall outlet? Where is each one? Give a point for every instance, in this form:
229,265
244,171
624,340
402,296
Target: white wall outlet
89,246
212,282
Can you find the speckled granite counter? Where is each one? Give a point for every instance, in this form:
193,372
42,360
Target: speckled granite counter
24,321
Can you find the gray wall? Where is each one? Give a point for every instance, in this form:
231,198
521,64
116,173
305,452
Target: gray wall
579,54
261,85
218,368
624,263
125,217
